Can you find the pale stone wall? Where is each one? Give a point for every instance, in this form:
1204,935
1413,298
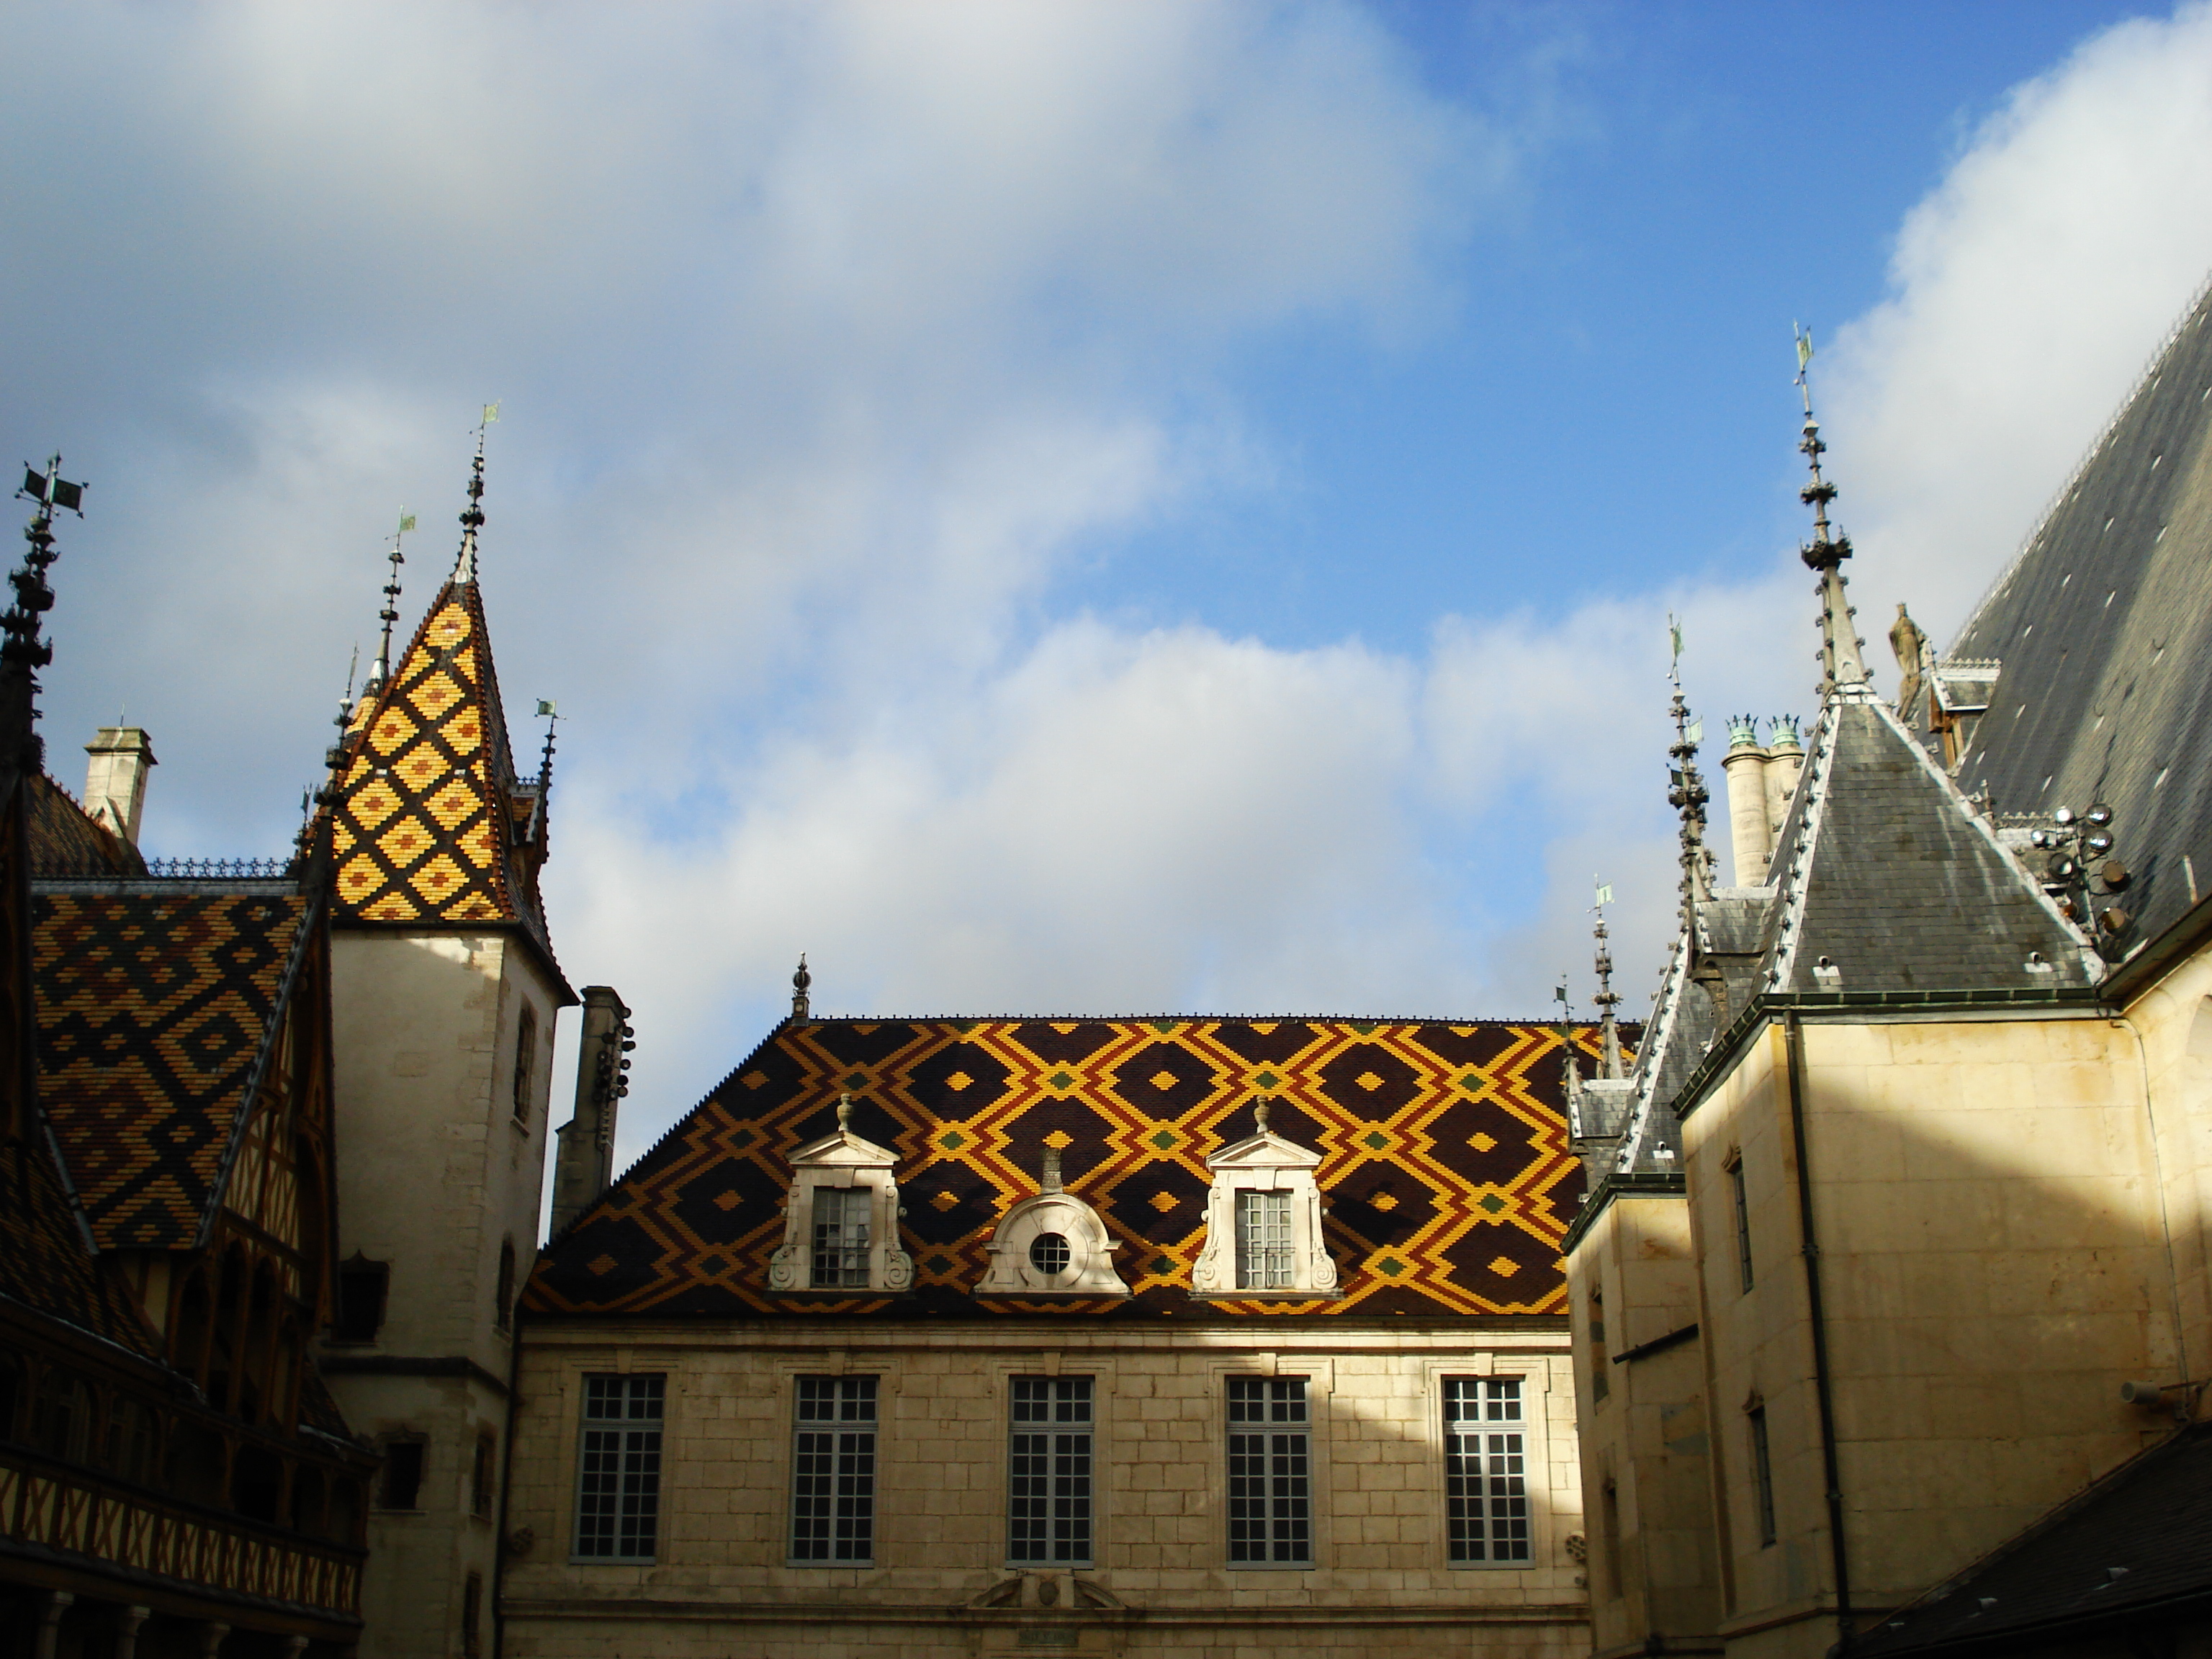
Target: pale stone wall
720,1582
1651,1542
2174,1021
434,1170
1994,1268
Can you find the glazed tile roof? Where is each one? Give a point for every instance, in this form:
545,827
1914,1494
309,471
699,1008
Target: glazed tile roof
1444,1162
63,836
157,1001
430,821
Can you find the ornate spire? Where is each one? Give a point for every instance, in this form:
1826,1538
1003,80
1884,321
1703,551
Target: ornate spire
380,671
472,518
1686,793
22,651
800,982
1608,999
1842,667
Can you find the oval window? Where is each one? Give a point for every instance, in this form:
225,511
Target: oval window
1049,1254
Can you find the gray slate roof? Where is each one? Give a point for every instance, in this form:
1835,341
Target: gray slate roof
2103,627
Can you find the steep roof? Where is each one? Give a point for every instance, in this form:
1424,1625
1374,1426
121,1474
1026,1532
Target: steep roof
2101,631
158,1005
1891,880
431,827
65,838
1443,1154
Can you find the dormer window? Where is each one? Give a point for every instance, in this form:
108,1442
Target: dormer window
1054,1245
1263,1228
840,1225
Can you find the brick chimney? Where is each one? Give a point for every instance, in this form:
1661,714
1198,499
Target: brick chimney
115,782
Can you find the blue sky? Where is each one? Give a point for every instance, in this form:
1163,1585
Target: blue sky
1102,507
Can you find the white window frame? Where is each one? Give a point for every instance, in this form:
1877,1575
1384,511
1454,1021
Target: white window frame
1504,1461
634,1434
1287,1405
1263,1163
1061,1430
843,1429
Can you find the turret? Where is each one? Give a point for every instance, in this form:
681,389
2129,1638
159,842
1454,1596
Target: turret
1750,837
584,1167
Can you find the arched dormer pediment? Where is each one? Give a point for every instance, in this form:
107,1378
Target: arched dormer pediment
1054,1245
1263,1227
840,1222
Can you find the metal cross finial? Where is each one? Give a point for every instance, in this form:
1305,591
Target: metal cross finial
380,670
1608,999
472,517
1687,795
800,982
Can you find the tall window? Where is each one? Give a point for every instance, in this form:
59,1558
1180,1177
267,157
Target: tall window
618,1473
1270,1471
1601,1383
525,1062
472,1615
399,1485
1762,1475
1486,1470
362,1286
1742,1219
1264,1259
840,1237
833,1471
484,1476
1048,1472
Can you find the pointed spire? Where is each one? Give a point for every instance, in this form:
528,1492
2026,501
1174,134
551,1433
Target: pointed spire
1609,1063
1842,667
380,671
24,652
800,982
1686,793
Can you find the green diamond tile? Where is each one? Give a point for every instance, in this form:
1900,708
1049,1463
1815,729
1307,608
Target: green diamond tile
1061,1080
1266,1080
1390,1265
1376,1139
1491,1203
1165,1141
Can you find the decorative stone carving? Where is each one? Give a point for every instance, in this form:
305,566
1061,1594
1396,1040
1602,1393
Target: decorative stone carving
1054,1245
841,1163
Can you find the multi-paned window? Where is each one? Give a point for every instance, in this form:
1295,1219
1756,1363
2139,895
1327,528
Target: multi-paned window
1762,1475
1048,1472
1743,1221
1265,1260
840,1237
833,1469
1486,1470
1270,1471
618,1470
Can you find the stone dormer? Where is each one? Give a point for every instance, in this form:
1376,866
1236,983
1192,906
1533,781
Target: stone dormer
1263,1233
841,1222
1054,1245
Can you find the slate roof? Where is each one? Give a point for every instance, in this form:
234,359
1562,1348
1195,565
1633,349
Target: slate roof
431,826
1887,872
65,837
2103,627
1444,1162
158,1001
2151,1518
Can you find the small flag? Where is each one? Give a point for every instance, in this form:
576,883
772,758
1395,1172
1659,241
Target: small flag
1804,346
406,523
491,413
1697,731
1605,894
545,707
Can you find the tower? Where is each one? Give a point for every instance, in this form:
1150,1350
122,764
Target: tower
447,990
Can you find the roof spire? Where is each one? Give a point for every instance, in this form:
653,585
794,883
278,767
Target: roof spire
472,518
380,671
1842,668
22,652
1609,1063
799,981
1687,795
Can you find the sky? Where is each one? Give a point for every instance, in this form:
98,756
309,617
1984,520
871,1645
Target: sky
1078,507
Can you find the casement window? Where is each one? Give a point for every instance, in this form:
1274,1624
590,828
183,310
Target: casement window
1048,1472
833,1472
619,1468
841,1238
1270,1473
1485,1471
1263,1220
1762,1475
1735,1167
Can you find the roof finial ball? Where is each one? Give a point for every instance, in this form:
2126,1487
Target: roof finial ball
845,1114
1260,1114
799,981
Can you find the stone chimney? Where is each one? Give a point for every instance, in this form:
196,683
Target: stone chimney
1750,836
115,782
583,1168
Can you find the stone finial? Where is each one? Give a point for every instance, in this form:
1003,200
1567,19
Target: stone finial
799,981
1050,1182
844,1115
1260,1114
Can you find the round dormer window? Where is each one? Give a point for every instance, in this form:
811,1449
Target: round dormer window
1050,1255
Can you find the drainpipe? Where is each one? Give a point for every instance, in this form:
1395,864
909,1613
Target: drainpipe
1794,1041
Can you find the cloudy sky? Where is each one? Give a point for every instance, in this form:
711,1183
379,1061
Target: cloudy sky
1059,507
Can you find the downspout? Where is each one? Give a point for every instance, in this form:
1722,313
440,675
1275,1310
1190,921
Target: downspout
1794,1043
